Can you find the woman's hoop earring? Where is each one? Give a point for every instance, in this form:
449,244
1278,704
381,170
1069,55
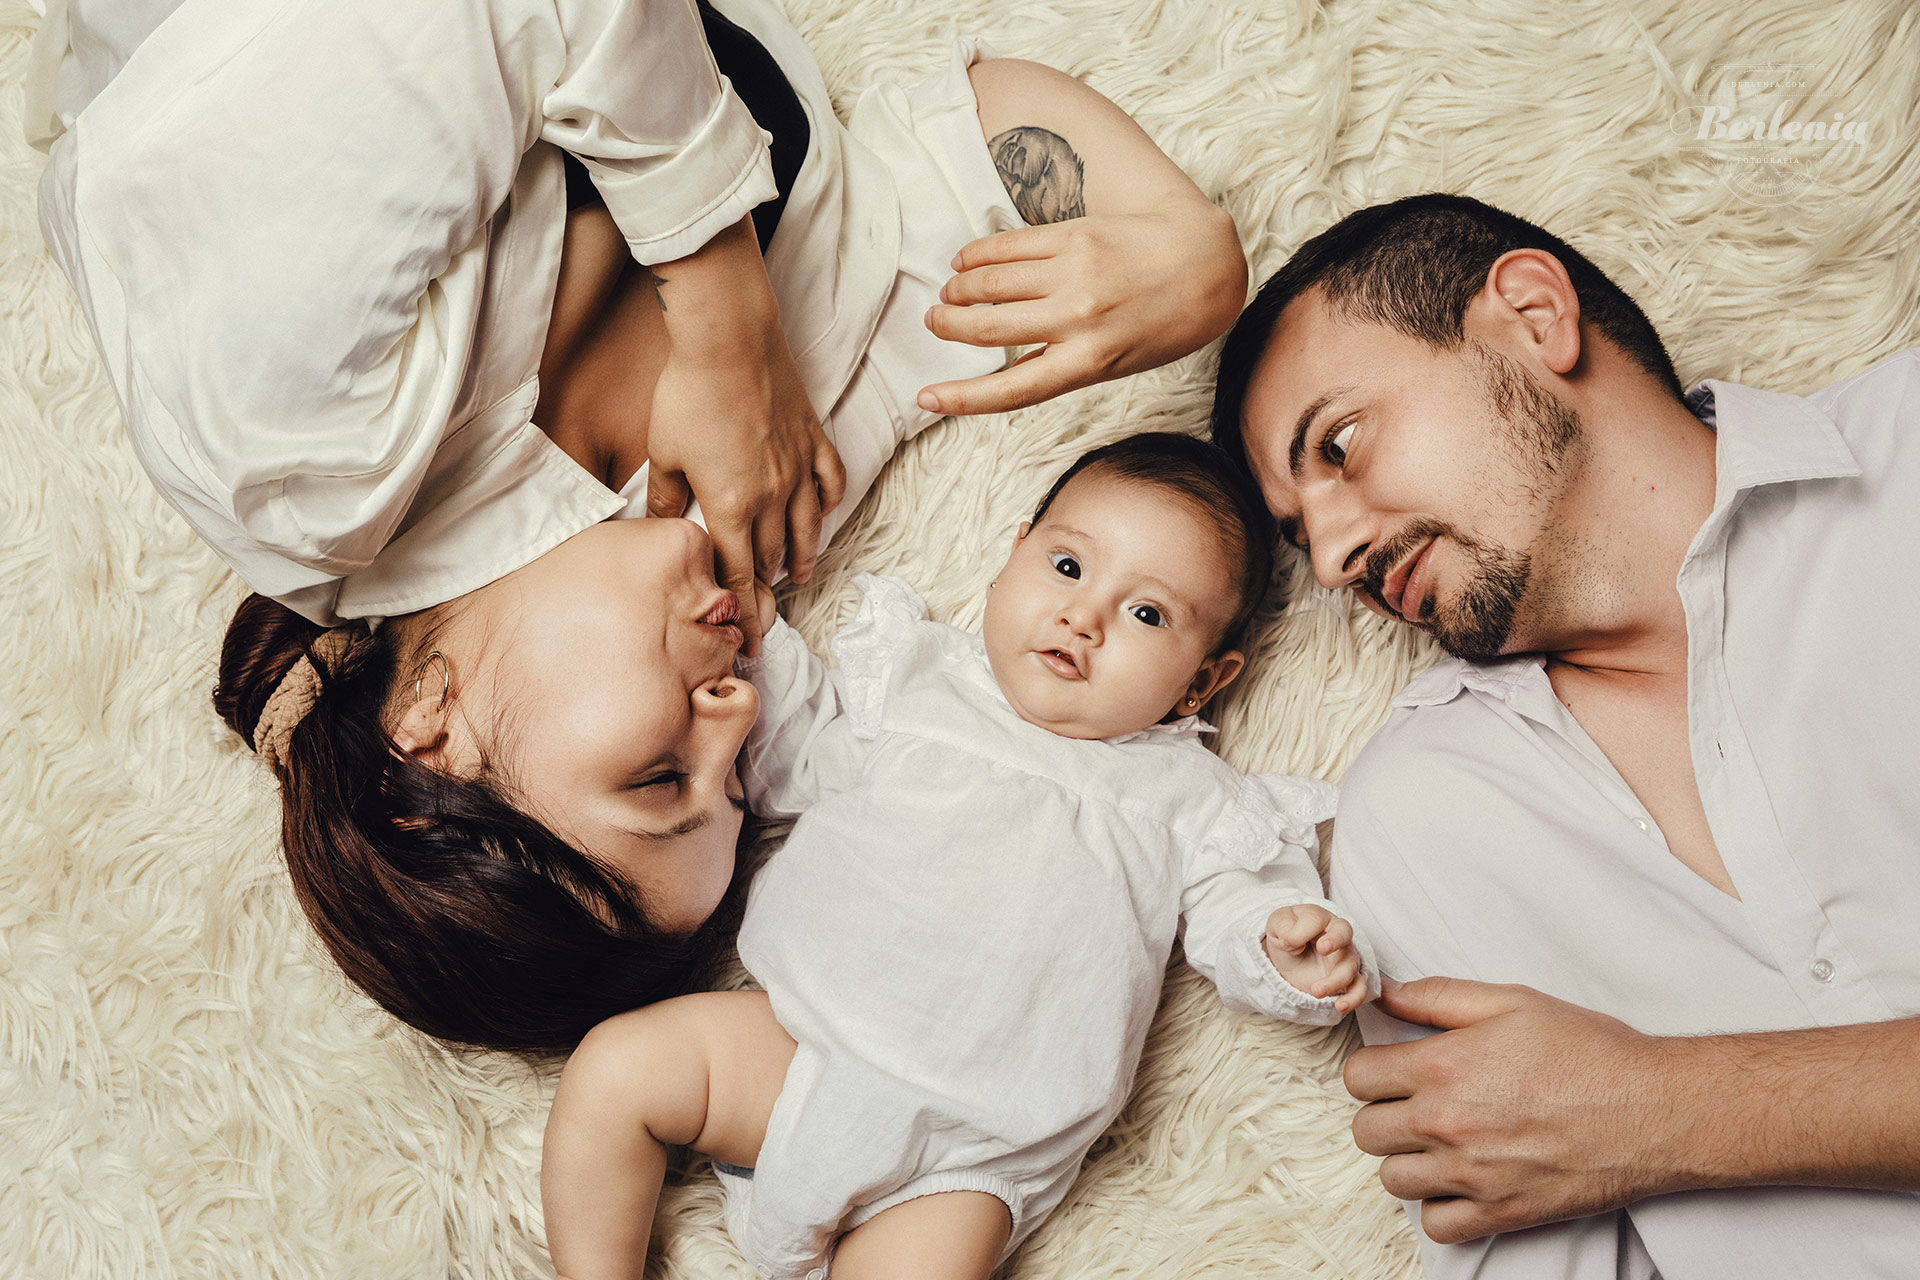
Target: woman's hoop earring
446,677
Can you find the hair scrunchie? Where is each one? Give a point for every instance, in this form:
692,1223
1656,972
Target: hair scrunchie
299,689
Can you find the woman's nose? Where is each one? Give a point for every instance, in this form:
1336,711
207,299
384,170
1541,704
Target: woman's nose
729,704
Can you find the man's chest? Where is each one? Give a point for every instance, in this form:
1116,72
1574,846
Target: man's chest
1641,728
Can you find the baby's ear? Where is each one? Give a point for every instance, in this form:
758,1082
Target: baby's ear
1020,534
1215,674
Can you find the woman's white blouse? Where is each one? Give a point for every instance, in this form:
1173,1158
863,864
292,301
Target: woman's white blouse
978,913
318,240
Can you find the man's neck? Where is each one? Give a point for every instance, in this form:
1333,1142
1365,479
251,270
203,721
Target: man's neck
1619,536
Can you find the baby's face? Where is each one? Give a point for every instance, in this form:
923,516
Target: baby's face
1105,615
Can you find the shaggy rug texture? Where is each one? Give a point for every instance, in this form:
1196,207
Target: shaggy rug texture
187,1088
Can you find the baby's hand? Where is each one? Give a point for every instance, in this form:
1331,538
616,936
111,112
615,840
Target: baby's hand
1313,950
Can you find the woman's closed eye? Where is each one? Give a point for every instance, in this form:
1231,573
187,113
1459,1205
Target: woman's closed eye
1064,564
664,778
1335,444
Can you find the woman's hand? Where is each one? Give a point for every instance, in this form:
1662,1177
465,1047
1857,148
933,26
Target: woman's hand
732,428
1106,295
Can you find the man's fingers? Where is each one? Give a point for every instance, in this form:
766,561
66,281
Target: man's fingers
1419,1175
803,529
998,282
1458,1219
1384,1129
1023,383
1003,324
1010,246
667,492
1382,1071
1451,1002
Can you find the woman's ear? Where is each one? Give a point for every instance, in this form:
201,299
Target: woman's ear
422,731
1215,674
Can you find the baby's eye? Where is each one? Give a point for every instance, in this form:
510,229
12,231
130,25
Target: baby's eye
1334,447
1065,564
1149,615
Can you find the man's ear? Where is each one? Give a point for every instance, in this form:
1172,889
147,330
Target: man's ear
1215,674
1529,294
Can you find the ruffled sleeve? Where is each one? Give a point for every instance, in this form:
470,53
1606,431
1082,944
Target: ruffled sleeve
869,648
1258,858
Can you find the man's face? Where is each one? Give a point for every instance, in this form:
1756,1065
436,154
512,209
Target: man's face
1425,479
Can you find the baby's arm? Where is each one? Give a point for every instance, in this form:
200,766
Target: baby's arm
700,1071
1313,950
802,747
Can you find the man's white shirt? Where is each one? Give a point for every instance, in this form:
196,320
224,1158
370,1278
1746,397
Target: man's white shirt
1482,834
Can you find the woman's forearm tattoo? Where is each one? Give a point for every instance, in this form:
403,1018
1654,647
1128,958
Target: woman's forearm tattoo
1041,173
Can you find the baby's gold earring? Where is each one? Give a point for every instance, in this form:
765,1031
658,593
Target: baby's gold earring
1191,700
993,584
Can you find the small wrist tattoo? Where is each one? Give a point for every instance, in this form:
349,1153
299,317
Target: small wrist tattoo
658,296
1041,173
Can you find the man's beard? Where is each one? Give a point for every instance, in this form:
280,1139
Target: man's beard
1541,432
1476,626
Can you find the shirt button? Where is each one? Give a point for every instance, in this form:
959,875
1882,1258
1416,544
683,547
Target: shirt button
1821,969
1641,823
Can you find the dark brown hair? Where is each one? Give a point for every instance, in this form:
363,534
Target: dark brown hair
1413,265
1211,485
458,913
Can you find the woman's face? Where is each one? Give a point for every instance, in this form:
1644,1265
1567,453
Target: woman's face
602,678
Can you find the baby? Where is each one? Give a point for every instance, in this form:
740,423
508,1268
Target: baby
963,941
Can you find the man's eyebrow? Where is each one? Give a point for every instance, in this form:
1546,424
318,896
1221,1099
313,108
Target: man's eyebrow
1298,447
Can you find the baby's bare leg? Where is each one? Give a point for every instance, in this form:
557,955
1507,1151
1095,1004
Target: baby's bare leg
955,1235
701,1071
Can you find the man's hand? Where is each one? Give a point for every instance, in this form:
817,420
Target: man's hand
1528,1109
1313,950
1107,295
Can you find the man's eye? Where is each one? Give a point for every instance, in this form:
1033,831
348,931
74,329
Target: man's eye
1334,447
1149,615
1065,564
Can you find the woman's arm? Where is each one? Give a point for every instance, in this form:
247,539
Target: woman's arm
1529,1109
731,425
1132,267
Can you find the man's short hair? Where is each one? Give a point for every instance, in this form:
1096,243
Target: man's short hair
1413,265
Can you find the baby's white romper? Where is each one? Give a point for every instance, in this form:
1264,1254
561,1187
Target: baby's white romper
968,928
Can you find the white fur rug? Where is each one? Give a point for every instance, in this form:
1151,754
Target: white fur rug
187,1088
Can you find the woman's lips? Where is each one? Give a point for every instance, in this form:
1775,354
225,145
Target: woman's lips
723,617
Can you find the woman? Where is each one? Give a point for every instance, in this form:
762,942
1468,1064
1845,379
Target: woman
365,347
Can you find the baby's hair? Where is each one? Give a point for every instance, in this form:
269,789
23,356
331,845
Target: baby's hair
1212,486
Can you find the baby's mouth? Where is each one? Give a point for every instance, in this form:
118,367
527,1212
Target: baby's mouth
1061,663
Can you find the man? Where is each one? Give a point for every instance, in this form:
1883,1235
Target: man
1668,782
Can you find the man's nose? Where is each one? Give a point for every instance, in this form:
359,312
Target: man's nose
1339,535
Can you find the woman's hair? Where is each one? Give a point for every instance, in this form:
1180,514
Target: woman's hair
1213,487
458,913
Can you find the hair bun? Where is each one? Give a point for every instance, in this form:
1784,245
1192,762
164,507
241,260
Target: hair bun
263,643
